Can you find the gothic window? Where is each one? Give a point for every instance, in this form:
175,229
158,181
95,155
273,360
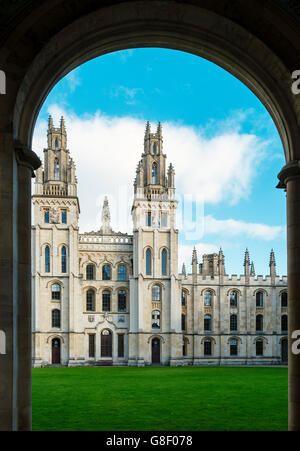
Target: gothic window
156,319
56,143
56,318
56,169
233,323
90,272
207,346
106,272
233,298
106,301
121,272
148,219
259,323
92,345
148,262
120,345
284,323
47,259
63,259
164,262
233,346
156,293
207,323
207,298
284,299
259,299
183,321
154,149
122,301
64,216
90,300
46,216
55,291
259,347
154,174
183,298
184,347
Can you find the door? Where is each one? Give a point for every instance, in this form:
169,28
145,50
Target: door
284,350
106,343
56,350
155,350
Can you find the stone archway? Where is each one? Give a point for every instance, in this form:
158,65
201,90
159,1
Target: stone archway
42,41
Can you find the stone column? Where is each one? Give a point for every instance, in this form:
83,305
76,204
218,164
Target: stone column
289,178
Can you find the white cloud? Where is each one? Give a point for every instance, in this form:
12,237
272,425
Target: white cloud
73,80
106,151
129,94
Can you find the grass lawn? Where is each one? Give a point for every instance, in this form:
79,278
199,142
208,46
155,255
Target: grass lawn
159,398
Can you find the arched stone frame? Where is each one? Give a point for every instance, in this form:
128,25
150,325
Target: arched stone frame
49,286
106,263
59,255
162,289
239,343
112,298
219,34
263,322
213,345
161,249
239,296
146,248
187,294
115,291
265,295
84,266
103,329
280,297
127,266
43,258
213,296
265,343
85,291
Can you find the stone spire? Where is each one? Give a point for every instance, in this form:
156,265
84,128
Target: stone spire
194,265
50,122
272,265
247,263
183,270
221,263
252,270
159,129
147,130
106,227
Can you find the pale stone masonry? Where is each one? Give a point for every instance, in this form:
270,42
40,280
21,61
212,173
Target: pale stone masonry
112,298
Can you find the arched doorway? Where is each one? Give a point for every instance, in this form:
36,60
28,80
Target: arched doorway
55,351
106,343
155,346
284,351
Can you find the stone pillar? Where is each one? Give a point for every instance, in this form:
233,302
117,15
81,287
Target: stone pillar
290,180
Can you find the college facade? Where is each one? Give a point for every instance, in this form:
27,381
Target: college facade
107,298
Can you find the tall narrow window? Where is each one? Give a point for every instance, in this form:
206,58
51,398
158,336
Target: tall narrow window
154,174
148,262
92,345
55,291
121,272
106,272
63,259
183,298
259,299
46,216
259,323
207,323
156,319
207,346
164,262
284,299
259,347
64,216
207,298
122,301
184,347
284,323
47,259
183,321
163,220
106,301
154,149
156,293
56,169
233,299
120,345
90,300
233,346
56,318
148,219
90,272
56,144
233,323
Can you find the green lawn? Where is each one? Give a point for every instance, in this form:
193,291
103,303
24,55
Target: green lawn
159,398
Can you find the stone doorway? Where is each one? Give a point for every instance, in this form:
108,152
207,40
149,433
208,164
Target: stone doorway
56,351
156,351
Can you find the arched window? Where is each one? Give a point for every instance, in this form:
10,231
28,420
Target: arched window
90,300
154,174
284,323
233,346
148,262
63,259
154,149
284,299
156,319
122,272
106,272
233,299
259,299
56,143
183,321
183,298
56,318
106,343
184,346
207,346
207,298
164,262
233,323
46,216
90,272
259,347
47,259
259,323
156,293
106,301
55,291
207,323
122,301
56,169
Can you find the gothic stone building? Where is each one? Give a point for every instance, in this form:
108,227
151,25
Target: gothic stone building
111,298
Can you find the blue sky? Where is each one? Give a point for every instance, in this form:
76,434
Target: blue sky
221,140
